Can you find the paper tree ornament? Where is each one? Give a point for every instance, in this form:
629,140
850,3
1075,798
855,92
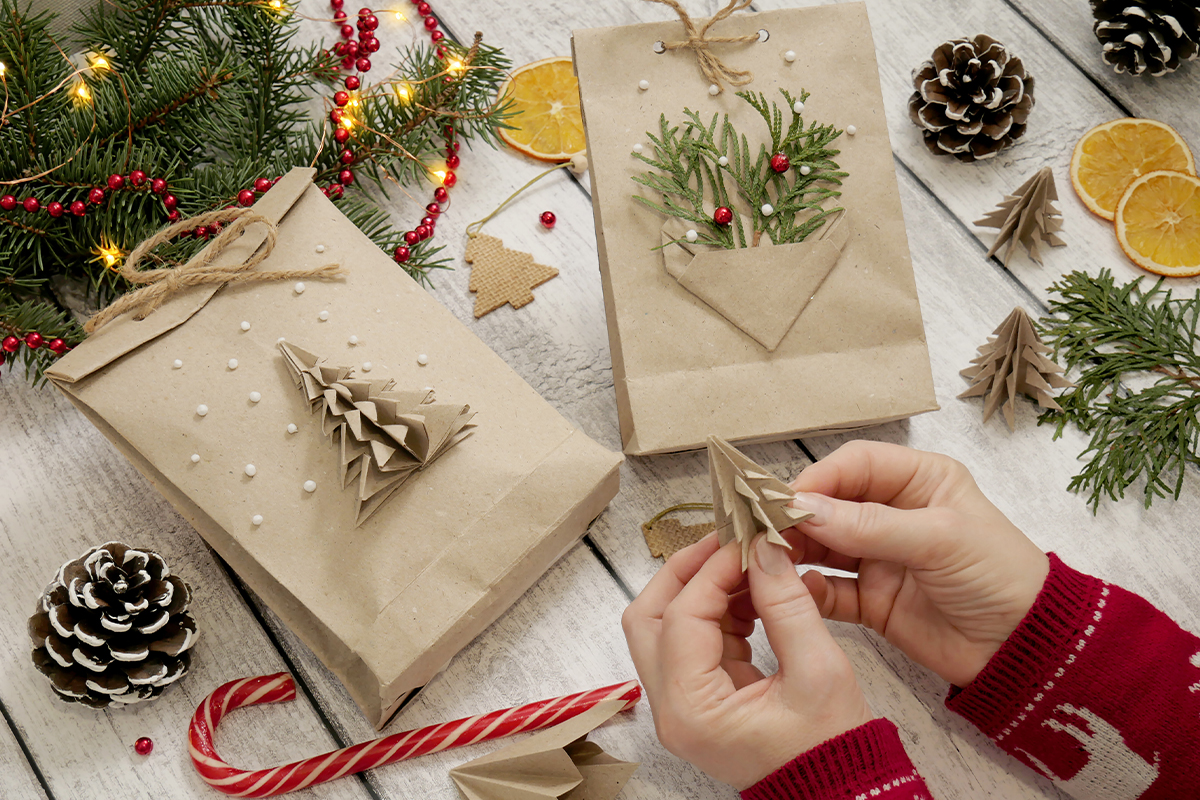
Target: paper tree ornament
500,275
382,436
748,500
556,764
1028,216
1014,362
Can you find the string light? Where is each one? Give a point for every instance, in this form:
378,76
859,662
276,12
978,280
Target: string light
109,255
456,67
353,100
100,63
81,92
347,123
3,69
400,16
403,92
441,175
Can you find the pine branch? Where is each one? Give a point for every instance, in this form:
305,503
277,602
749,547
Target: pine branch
1118,337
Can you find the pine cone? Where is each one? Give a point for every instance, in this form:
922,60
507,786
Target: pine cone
972,98
113,627
1147,35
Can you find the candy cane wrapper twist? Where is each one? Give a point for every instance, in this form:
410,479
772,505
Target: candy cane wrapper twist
368,755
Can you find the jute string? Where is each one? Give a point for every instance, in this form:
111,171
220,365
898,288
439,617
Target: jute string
158,285
698,41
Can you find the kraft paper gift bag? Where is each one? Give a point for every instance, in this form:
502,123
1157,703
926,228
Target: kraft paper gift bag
411,505
758,343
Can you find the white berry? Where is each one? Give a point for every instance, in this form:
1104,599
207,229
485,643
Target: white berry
195,458
805,169
256,519
233,364
798,107
300,288
291,428
422,359
691,236
637,148
713,89
323,316
768,209
367,366
723,161
245,325
789,56
643,85
251,470
851,130
310,486
353,340
201,410
320,248
255,397
178,364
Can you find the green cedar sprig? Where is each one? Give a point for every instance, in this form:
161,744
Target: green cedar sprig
687,172
1138,390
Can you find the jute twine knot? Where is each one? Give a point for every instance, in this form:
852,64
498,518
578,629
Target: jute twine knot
158,285
698,41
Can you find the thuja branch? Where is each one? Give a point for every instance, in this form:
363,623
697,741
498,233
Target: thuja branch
1121,338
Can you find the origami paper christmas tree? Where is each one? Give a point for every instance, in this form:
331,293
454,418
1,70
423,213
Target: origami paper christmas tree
1028,216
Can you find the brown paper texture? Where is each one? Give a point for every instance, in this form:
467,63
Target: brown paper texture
856,355
555,764
386,604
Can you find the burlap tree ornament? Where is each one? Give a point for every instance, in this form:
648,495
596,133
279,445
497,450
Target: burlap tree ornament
1014,362
112,628
1153,36
972,98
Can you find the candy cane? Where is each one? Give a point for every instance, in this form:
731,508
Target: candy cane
368,755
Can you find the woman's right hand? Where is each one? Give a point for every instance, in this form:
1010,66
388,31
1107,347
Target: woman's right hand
941,572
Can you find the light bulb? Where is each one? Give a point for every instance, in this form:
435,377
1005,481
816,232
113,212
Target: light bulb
456,67
441,175
403,92
399,16
100,62
81,91
3,69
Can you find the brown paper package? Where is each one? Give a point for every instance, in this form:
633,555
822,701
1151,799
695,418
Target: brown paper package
385,605
856,355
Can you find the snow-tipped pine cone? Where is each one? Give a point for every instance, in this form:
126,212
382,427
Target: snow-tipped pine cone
972,98
1152,36
113,627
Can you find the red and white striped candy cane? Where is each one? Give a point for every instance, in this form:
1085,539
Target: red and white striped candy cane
368,755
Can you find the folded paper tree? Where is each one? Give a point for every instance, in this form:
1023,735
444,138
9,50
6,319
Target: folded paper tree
1027,216
198,397
555,764
748,501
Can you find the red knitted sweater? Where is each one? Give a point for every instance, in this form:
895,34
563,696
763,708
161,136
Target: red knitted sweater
1056,696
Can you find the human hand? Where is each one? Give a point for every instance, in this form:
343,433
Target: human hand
942,574
713,707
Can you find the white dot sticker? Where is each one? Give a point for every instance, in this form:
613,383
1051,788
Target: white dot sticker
851,130
291,428
422,359
255,397
245,325
310,486
691,236
713,89
177,364
195,458
256,520
789,56
367,366
233,364
768,209
643,85
320,248
299,288
202,410
323,316
251,470
353,340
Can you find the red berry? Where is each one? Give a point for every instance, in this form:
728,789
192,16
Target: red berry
441,195
722,216
411,238
430,22
371,22
170,201
363,64
364,11
173,216
158,186
350,49
348,62
143,746
78,208
57,346
31,205
452,161
11,343
548,219
341,135
429,222
423,232
335,116
436,36
96,196
371,45
352,82
55,209
449,180
262,184
116,181
33,340
347,31
451,147
423,9
401,254
416,2
338,16
335,190
8,202
201,232
345,177
441,51
137,178
434,209
780,163
337,4
245,197
347,157
341,98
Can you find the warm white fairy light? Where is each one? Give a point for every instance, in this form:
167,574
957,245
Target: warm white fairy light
400,16
99,63
403,93
3,69
456,67
110,255
82,92
440,174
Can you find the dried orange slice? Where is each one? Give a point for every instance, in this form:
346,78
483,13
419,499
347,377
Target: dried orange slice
1158,223
549,126
1110,156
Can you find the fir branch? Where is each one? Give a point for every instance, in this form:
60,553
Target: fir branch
1119,337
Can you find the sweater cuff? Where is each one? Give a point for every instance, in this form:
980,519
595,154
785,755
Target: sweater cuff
1027,661
868,760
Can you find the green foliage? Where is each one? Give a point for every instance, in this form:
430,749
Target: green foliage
688,174
208,96
1119,337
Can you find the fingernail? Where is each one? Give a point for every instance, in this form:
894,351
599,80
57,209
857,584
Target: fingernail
772,558
817,505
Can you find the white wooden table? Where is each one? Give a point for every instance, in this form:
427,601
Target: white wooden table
63,488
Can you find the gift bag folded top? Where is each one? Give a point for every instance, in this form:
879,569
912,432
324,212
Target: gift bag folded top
768,338
383,480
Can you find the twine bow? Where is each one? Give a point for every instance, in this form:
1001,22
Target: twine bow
158,285
698,41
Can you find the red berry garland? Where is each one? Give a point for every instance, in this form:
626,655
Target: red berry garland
722,216
780,162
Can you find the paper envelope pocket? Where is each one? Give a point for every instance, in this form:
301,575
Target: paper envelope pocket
761,290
